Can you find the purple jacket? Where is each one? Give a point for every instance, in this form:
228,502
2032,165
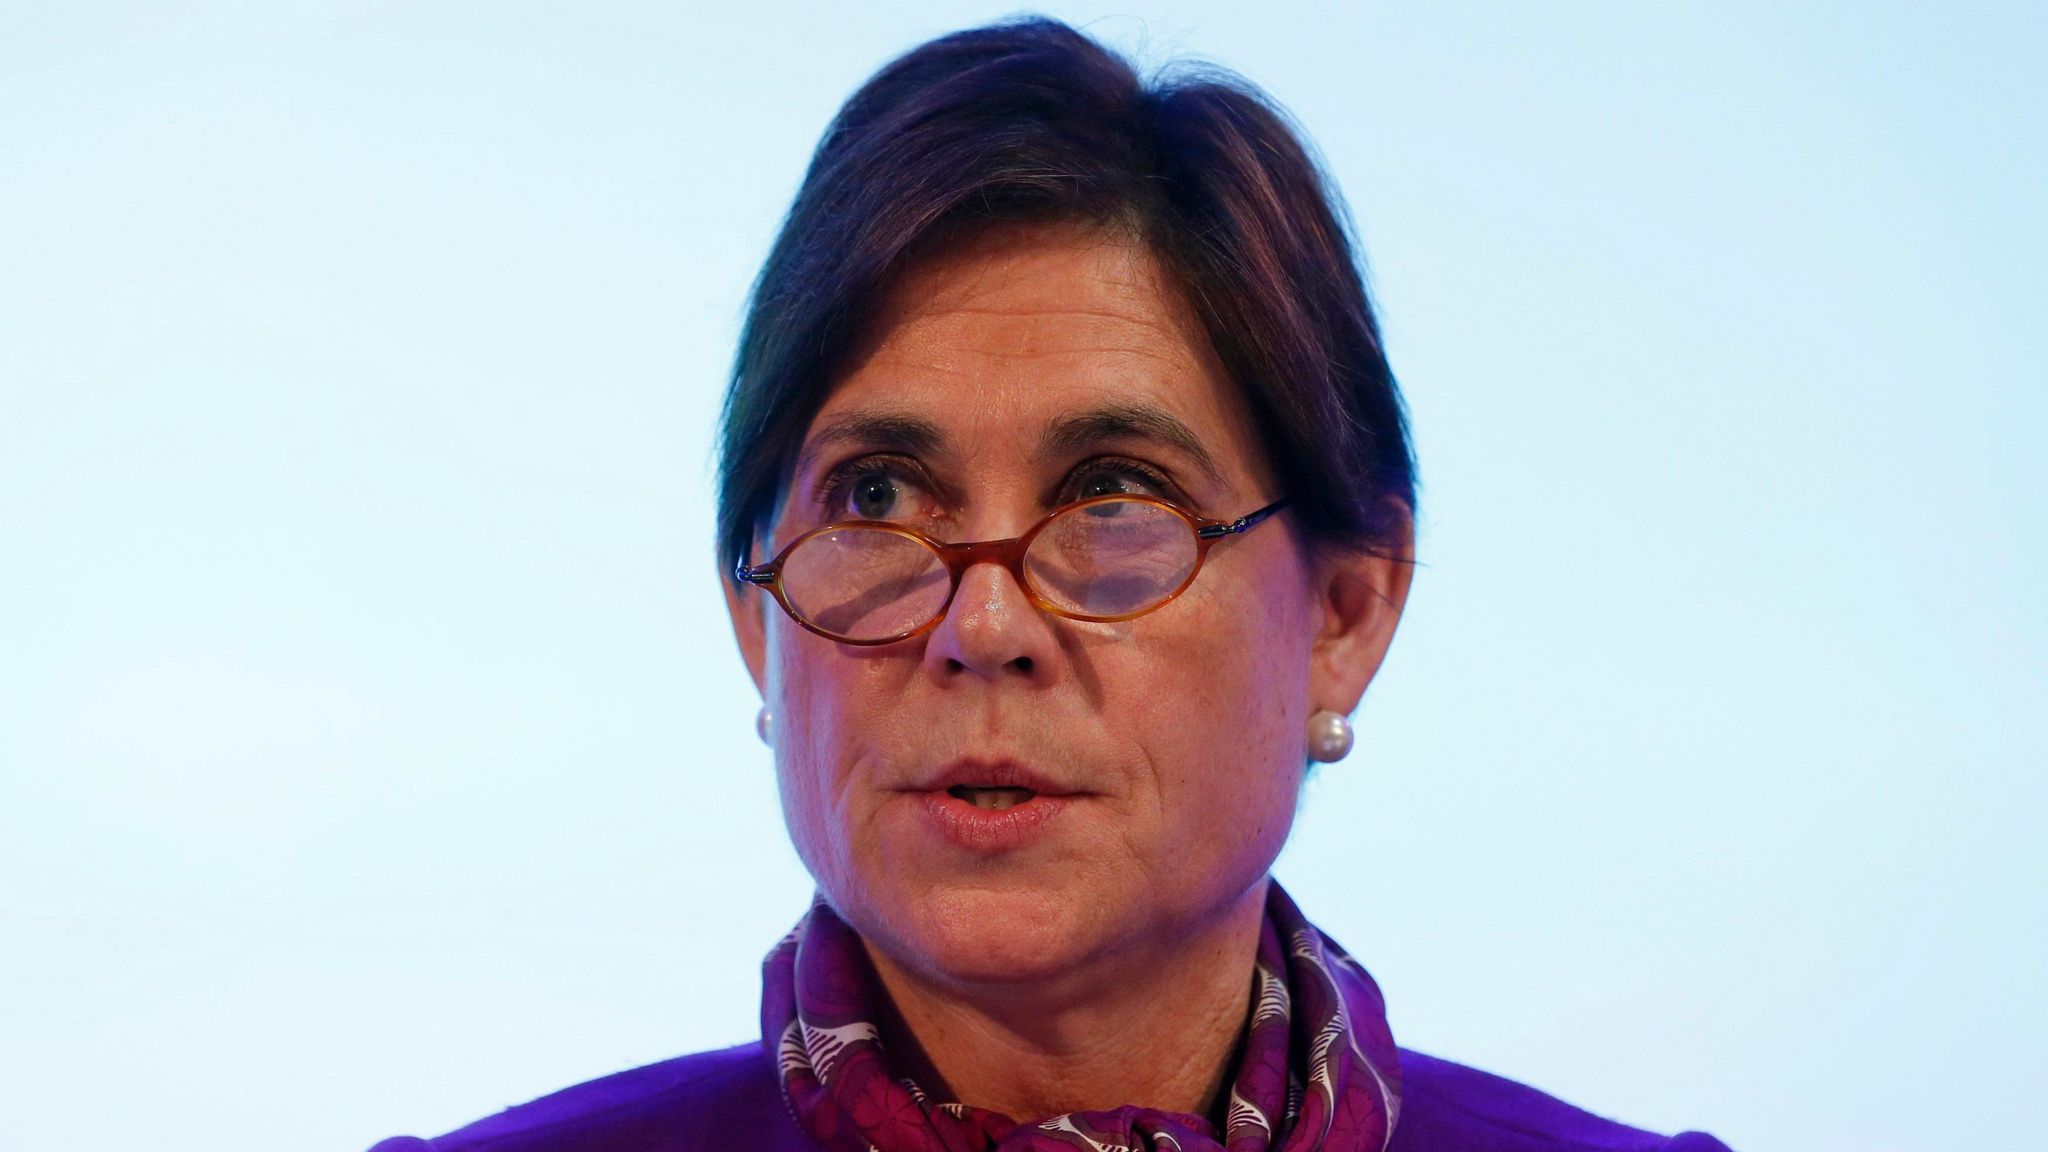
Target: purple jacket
730,1099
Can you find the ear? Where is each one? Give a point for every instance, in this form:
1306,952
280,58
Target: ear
748,606
1361,597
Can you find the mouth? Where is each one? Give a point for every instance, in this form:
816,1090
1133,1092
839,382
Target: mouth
992,806
993,798
995,782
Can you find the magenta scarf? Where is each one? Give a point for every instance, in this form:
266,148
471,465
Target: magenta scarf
1318,1070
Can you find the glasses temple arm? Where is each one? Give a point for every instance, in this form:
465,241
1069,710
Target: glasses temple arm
1243,523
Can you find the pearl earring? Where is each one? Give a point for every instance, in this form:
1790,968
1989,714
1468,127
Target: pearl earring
1329,737
763,720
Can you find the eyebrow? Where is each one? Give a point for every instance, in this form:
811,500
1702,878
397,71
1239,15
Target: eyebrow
882,430
1069,435
1073,434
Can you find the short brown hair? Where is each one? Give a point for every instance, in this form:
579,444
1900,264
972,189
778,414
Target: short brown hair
1029,120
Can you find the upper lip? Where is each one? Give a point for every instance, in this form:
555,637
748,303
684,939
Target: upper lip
1002,773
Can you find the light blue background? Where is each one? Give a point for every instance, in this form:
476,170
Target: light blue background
373,753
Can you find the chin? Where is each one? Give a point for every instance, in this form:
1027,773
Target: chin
995,934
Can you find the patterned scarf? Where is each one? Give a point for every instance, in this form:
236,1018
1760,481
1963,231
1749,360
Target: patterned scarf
1317,1073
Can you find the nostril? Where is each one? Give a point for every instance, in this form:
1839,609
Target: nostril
1023,664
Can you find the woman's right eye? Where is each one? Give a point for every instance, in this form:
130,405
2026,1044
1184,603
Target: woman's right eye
873,490
874,496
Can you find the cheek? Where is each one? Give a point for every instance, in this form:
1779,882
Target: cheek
799,692
1224,706
823,703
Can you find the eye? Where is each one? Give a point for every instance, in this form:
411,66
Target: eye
1116,478
874,496
873,488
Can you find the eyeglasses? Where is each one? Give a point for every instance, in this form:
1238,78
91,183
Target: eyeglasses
1103,559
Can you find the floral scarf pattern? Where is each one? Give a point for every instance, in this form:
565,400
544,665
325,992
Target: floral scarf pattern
1318,1071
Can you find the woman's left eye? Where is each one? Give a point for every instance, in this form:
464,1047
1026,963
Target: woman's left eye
1120,479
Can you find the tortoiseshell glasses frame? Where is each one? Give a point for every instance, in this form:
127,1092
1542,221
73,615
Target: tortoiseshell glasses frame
1202,534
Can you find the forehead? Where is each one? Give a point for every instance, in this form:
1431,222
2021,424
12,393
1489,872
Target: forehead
1004,335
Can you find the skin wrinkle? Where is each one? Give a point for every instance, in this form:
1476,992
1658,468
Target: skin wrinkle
1028,976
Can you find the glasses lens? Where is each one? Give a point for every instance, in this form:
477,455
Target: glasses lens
865,583
1112,558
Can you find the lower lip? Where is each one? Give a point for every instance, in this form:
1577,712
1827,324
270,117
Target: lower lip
991,829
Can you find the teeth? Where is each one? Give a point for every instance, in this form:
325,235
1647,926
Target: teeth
993,799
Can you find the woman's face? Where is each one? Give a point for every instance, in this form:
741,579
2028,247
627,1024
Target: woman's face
1034,366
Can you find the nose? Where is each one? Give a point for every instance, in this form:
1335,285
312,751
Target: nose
992,631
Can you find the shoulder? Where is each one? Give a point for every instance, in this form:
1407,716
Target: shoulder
698,1102
687,1104
1448,1107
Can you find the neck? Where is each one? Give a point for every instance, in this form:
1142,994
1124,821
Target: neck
1050,1048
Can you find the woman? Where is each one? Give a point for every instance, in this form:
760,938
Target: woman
1067,500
